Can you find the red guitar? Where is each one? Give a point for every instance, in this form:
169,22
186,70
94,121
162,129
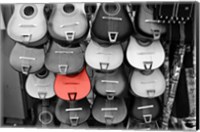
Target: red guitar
73,87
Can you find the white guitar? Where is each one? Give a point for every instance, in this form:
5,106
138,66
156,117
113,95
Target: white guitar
147,84
104,58
41,85
147,55
68,22
28,23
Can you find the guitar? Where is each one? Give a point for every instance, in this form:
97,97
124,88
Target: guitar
147,84
73,113
145,55
73,87
68,22
28,25
64,60
140,125
109,112
144,24
26,59
45,114
189,124
41,84
146,110
111,84
117,25
104,58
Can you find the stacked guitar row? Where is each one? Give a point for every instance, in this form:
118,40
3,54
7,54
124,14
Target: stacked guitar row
102,61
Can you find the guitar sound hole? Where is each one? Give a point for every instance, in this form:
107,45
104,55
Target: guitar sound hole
189,125
111,8
68,8
45,118
147,72
42,74
28,11
144,42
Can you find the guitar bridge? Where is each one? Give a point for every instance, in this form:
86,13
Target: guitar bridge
145,107
112,18
73,109
26,58
70,24
27,25
110,81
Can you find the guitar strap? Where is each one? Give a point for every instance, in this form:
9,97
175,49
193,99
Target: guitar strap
191,75
185,89
174,77
167,41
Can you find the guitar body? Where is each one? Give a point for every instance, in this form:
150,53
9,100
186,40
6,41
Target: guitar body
148,55
147,85
110,84
146,110
145,25
73,87
104,58
45,115
28,24
68,22
41,85
109,112
72,113
111,24
26,60
64,60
